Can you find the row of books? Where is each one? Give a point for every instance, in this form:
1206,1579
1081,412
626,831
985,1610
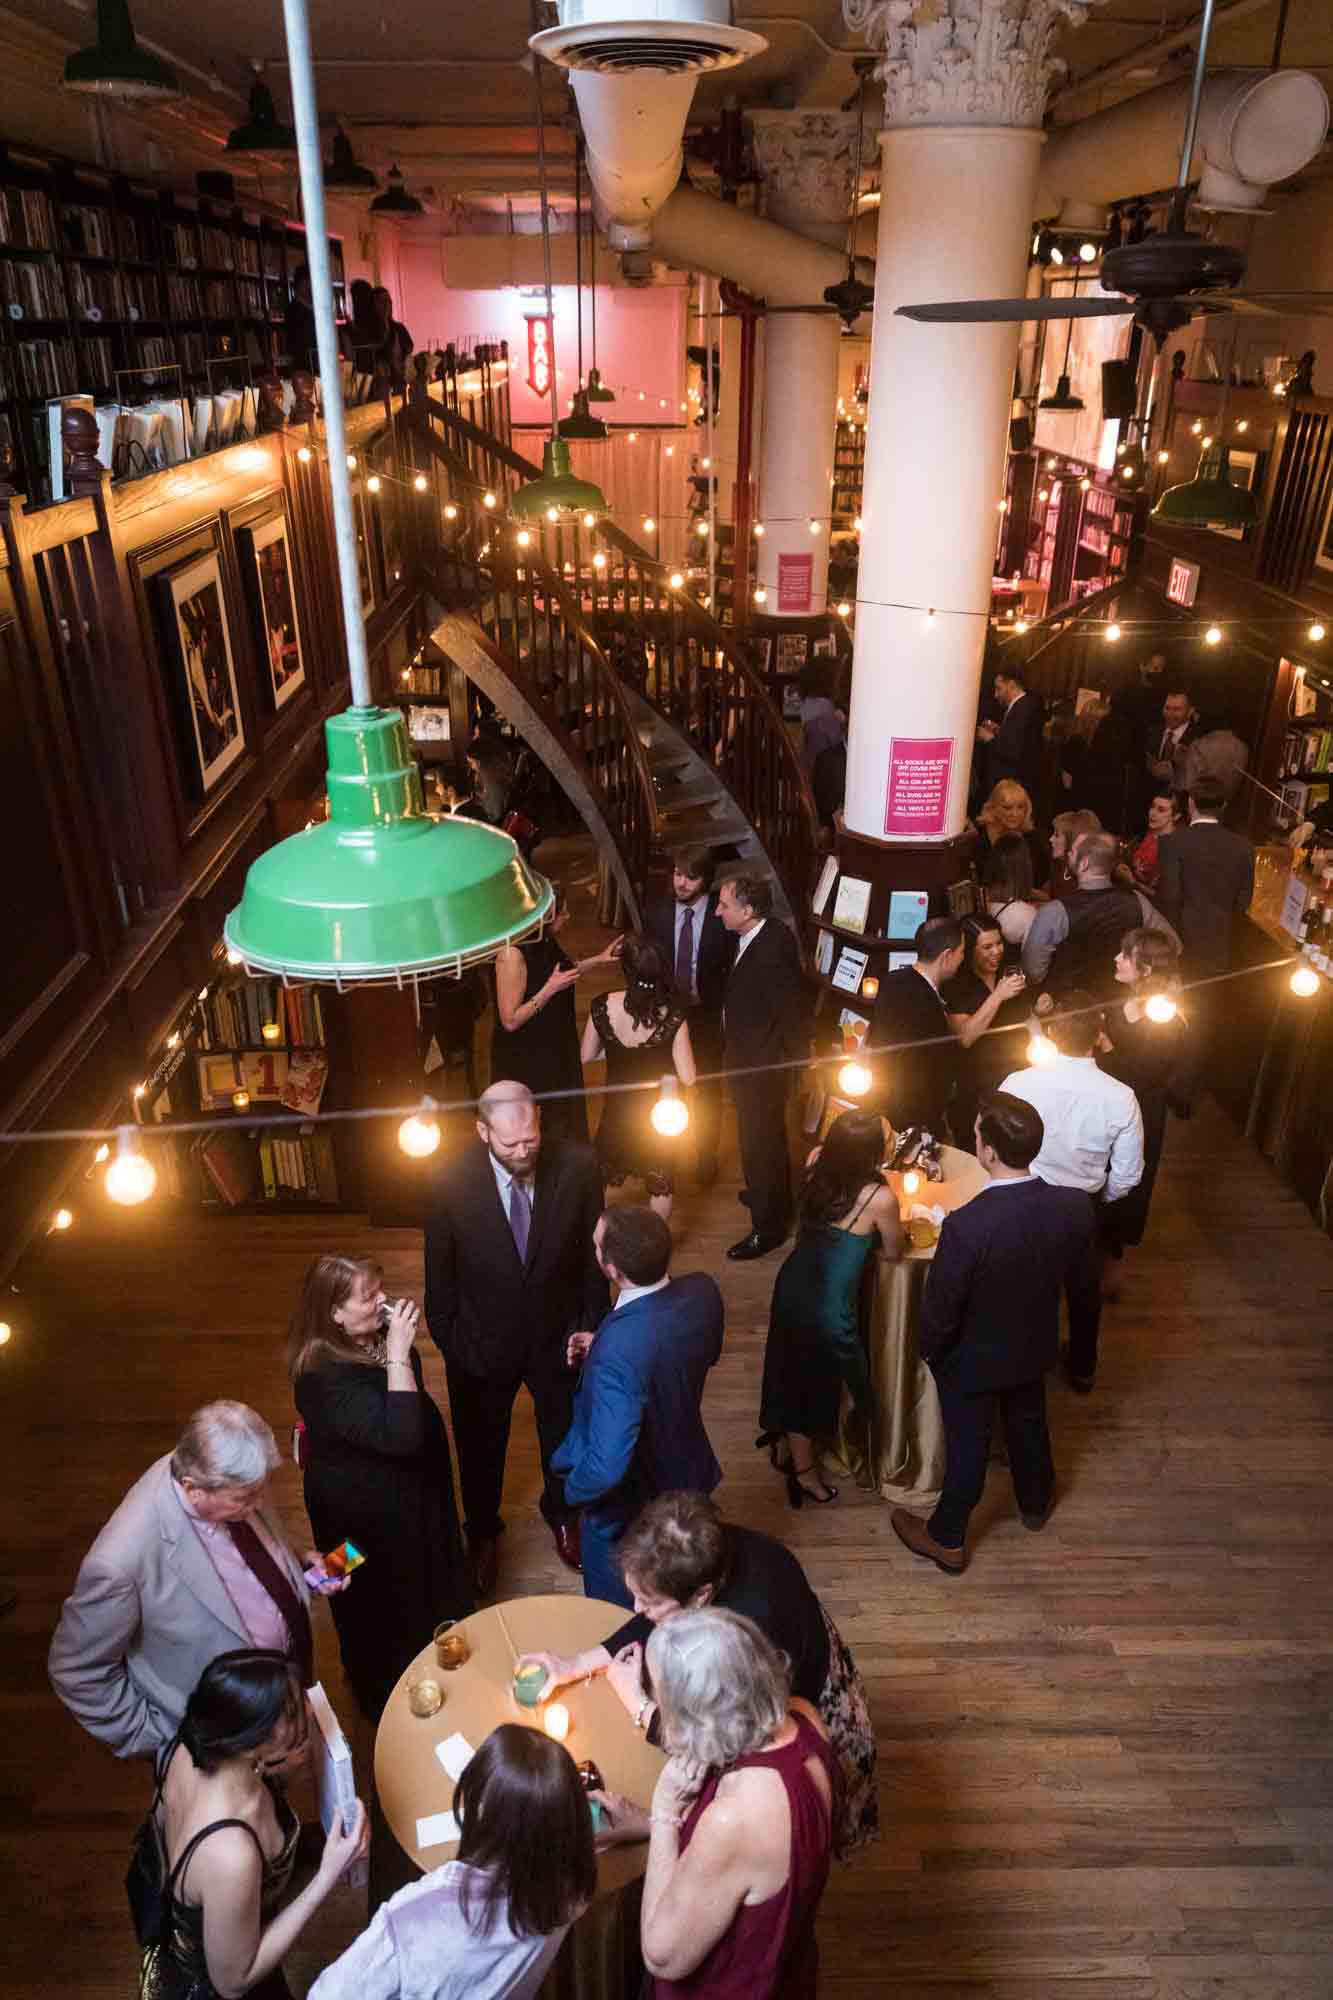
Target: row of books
1309,749
88,231
233,1016
242,1165
32,291
27,218
216,248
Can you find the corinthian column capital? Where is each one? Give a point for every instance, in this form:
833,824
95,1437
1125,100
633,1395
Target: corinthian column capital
807,159
964,62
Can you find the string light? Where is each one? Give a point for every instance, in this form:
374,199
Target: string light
305,454
102,1154
701,529
590,520
670,451
1316,632
419,1134
1160,1007
911,1182
928,622
1304,981
670,1115
1163,458
1112,633
1213,636
599,560
1197,427
173,1039
843,608
856,525
488,500
759,529
1087,253
62,1220
555,1721
523,538
634,437
648,524
450,512
233,957
1242,423
351,461
1020,625
1085,485
760,594
130,1178
1043,494
1040,1049
553,514
854,1079
420,483
676,580
374,483
814,525
705,463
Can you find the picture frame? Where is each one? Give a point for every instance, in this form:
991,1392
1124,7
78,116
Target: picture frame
1245,468
1323,548
268,574
192,604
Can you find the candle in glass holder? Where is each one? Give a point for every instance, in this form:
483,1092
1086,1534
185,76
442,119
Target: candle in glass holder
529,1681
271,1031
451,1646
425,1696
556,1721
911,1181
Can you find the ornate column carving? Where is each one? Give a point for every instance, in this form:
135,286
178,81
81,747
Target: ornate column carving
806,158
964,62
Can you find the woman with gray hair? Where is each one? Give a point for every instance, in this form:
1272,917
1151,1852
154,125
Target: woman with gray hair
733,1881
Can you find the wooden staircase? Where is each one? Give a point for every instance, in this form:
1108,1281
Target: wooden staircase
659,731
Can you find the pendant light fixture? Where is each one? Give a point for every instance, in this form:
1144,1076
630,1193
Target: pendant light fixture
263,132
396,200
1210,499
345,173
379,893
118,65
580,423
557,489
1064,399
597,390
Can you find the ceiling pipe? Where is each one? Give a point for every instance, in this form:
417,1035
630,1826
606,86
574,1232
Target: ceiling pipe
1149,52
1256,128
766,260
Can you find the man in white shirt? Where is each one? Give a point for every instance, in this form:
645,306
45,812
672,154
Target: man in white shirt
1092,1139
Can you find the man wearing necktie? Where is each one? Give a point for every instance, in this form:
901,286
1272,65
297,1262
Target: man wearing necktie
686,928
511,1272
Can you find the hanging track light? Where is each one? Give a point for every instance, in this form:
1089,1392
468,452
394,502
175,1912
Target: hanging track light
118,65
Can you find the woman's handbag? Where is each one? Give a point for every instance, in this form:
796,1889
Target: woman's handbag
146,1879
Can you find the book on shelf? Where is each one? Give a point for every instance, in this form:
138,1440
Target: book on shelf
87,231
908,910
30,219
850,969
95,294
45,368
301,1166
32,291
828,875
307,1073
824,953
228,1163
851,905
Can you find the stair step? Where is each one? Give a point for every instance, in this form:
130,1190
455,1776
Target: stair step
689,827
675,796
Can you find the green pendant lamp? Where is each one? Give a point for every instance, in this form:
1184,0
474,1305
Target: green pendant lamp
118,65
581,423
263,131
396,200
379,893
1209,499
345,173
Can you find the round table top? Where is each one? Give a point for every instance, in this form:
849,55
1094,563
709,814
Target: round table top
411,1781
963,1178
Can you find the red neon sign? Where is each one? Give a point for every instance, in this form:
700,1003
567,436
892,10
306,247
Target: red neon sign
541,353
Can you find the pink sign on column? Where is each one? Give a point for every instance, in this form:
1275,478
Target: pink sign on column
796,582
918,794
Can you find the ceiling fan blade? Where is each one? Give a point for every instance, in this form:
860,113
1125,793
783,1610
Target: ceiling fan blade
770,310
1297,297
1311,305
982,312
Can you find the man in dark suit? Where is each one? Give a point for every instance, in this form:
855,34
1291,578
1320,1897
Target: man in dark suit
686,926
1206,881
1165,744
914,1086
763,1020
637,1429
511,1272
1014,742
990,1327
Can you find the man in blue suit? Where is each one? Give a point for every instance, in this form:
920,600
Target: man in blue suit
637,1428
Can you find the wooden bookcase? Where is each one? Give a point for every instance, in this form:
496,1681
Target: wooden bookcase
849,457
100,274
1078,539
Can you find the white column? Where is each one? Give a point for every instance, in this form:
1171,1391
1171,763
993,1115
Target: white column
964,98
807,160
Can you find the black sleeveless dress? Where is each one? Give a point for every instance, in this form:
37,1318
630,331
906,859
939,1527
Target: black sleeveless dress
544,1052
626,1141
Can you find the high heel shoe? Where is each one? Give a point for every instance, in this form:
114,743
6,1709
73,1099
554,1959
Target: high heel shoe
797,1494
779,1451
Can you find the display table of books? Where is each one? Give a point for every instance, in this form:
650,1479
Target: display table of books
903,1457
420,1751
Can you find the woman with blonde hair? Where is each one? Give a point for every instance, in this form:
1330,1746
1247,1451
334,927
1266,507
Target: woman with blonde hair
1008,811
378,1470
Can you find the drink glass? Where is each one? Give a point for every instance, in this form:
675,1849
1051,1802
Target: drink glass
451,1646
425,1696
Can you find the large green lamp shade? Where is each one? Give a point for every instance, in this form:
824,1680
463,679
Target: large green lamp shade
581,423
380,893
557,488
263,131
1209,499
117,65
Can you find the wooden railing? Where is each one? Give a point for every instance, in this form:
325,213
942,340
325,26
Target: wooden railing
660,639
1051,670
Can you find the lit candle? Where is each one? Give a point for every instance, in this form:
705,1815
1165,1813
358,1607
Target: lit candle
556,1721
271,1031
911,1181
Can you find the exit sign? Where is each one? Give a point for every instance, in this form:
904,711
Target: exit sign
1182,582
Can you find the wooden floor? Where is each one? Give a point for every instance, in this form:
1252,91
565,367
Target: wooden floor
1105,1750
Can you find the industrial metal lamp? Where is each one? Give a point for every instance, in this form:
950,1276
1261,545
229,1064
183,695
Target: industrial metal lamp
557,488
396,200
580,423
596,391
1063,398
345,172
117,65
263,131
1209,499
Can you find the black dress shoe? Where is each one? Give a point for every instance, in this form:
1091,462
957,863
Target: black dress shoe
484,1562
753,1245
565,1535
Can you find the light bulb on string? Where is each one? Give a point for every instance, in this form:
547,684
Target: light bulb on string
1197,427
374,483
271,1031
102,1154
450,512
1087,253
590,520
419,1133
759,528
1206,442
1304,982
676,580
634,437
670,451
928,622
856,525
670,1115
523,538
553,515
1242,424
1085,485
62,1220
1040,1049
1057,254
705,463
701,529
843,608
599,560
488,500
1043,494
1213,636
305,454
814,525
233,957
130,1178
173,1039
1163,457
6,1333
855,1079
760,594
1020,625
351,461
1160,1007
648,524
1316,632
1112,632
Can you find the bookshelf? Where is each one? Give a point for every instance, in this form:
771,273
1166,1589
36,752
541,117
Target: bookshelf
1306,767
849,458
1077,541
101,274
257,1037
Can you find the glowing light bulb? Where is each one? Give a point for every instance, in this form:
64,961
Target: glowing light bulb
676,580
488,500
1057,254
1112,633
130,1178
374,483
590,520
351,461
670,451
419,1134
854,1079
760,594
1087,253
634,437
233,956
1304,982
670,1115
1163,458
1197,427
173,1039
523,538
271,1031
305,454
450,512
555,1721
928,622
705,462
1160,1007
1051,464
856,524
648,524
1207,441
140,1090
1040,1049
1084,485
420,483
642,397
599,560
240,1098
1242,423
1213,636
553,514
843,608
103,1153
1001,506
759,528
814,525
701,528
911,1181
1020,625
6,1333
1043,493
62,1219
1316,632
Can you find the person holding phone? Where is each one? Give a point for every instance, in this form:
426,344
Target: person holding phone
378,1471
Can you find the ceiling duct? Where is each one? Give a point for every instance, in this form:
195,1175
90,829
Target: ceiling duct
633,66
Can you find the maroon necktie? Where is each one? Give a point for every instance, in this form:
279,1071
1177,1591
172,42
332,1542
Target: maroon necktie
284,1594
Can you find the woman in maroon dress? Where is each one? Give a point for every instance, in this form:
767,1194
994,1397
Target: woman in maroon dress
733,1882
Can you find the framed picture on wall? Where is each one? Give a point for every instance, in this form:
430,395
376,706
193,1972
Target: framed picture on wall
1245,469
266,566
193,607
1323,548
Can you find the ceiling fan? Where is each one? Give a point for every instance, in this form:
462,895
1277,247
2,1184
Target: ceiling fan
1164,280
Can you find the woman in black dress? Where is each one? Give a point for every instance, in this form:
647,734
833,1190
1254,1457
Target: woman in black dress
536,1037
378,1471
1158,1060
643,1034
981,996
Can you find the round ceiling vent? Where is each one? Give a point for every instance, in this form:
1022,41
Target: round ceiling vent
621,48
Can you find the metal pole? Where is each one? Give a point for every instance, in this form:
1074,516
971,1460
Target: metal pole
706,342
1196,99
305,116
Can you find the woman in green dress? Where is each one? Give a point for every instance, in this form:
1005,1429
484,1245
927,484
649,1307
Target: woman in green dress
814,1350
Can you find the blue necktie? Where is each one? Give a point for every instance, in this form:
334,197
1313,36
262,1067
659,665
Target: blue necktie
520,1215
